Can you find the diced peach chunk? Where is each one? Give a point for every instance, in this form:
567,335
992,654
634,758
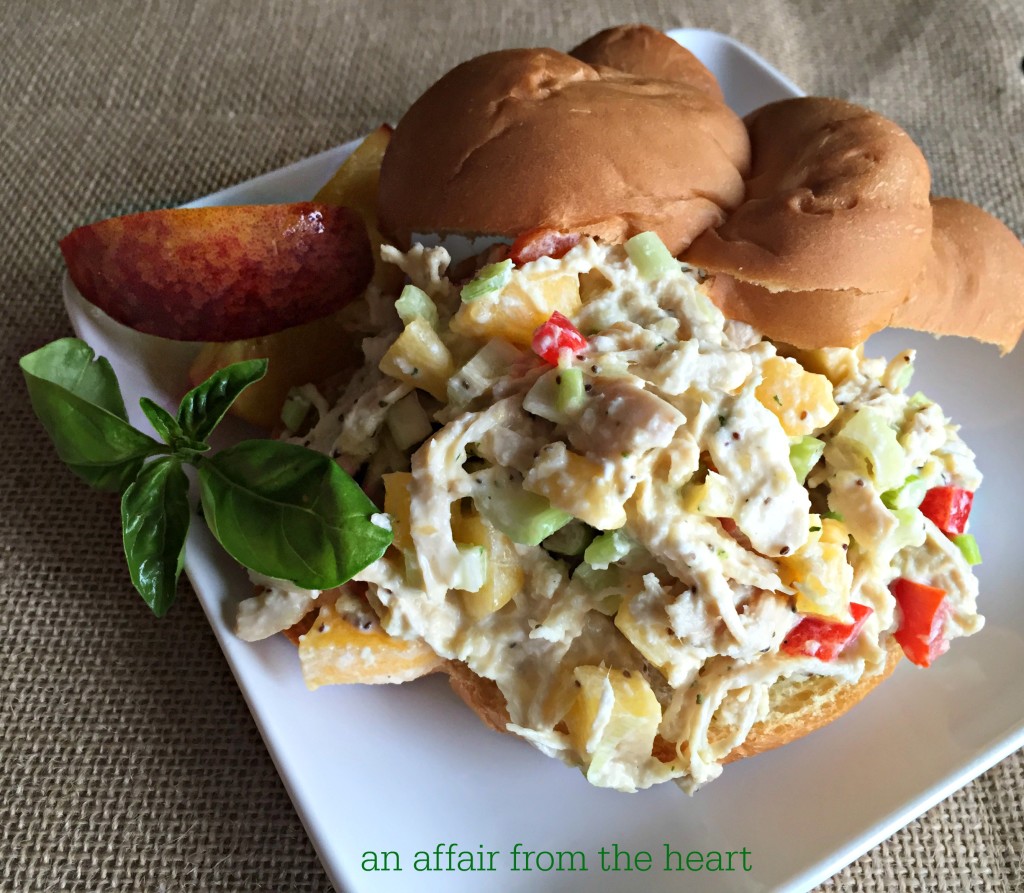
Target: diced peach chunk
802,401
515,311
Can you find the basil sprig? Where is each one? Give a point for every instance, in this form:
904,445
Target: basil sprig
275,505
280,509
79,403
155,514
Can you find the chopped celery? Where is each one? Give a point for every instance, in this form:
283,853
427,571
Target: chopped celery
871,440
911,530
413,572
487,365
968,545
594,579
607,549
650,256
488,279
570,394
902,380
804,453
294,410
703,307
471,572
908,495
385,459
408,423
542,399
571,540
415,302
918,401
524,517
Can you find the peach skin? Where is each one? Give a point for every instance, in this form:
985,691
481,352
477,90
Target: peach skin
221,273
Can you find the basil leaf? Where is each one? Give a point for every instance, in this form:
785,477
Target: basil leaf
76,396
204,406
155,515
289,512
73,365
168,428
162,421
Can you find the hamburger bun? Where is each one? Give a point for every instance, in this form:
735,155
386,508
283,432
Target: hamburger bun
524,139
797,707
972,282
648,53
834,228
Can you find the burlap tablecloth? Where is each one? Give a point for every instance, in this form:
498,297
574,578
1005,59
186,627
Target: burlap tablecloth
129,759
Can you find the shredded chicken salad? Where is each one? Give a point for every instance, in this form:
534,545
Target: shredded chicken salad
631,514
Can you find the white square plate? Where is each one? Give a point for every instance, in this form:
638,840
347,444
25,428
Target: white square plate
406,768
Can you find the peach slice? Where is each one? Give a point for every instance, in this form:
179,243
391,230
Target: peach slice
355,185
221,273
311,352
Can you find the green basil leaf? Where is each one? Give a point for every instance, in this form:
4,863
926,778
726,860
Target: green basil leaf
204,406
290,513
76,397
168,428
162,421
155,515
71,364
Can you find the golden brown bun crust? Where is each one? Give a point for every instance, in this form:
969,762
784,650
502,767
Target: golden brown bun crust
481,695
649,53
972,283
837,198
836,216
520,139
799,708
841,318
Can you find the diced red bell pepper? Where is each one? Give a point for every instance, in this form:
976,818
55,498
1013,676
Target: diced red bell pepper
556,335
537,243
925,610
948,508
825,639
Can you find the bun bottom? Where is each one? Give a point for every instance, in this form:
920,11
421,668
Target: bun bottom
797,708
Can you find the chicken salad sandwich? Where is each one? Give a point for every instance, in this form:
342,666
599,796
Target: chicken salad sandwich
638,489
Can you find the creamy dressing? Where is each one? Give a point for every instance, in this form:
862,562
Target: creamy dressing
674,446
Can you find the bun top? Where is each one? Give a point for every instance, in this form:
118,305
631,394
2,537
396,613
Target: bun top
972,282
520,139
814,219
834,228
647,52
837,198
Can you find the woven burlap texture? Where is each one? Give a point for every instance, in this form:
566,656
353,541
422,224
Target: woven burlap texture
129,759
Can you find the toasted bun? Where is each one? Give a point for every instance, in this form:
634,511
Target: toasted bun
806,319
973,280
797,707
520,139
649,53
481,695
801,707
834,229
